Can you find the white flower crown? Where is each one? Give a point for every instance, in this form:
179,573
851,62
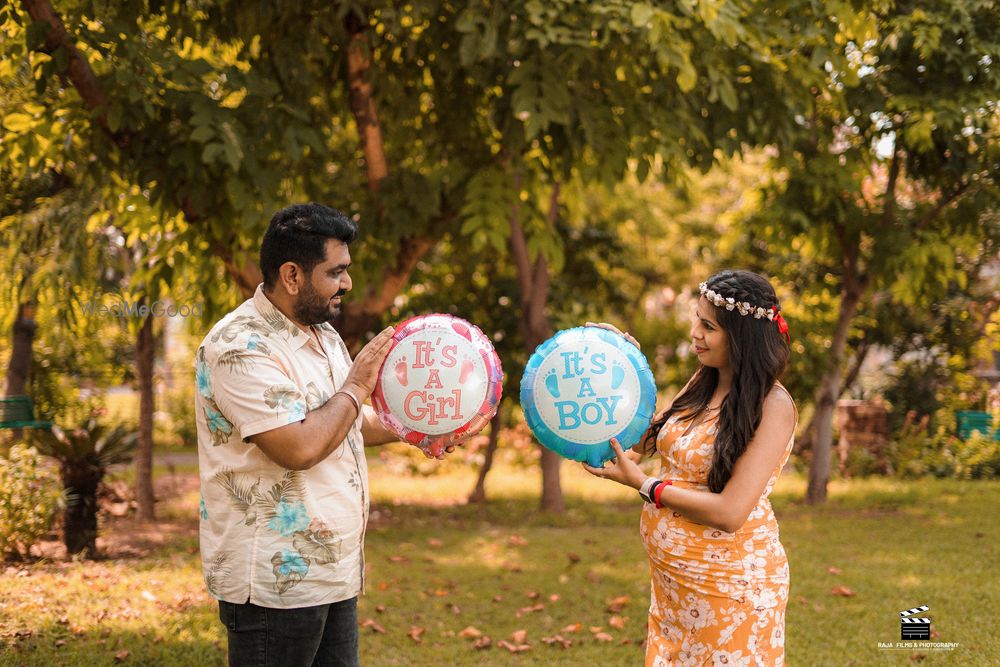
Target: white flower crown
729,303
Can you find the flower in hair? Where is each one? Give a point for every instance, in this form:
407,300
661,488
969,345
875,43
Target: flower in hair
729,303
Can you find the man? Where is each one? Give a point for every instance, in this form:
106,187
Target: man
281,427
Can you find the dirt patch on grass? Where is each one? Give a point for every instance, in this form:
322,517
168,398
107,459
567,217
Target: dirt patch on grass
121,535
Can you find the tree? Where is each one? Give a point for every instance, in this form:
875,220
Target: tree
886,185
440,102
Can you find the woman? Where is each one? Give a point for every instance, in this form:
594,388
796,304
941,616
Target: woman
719,572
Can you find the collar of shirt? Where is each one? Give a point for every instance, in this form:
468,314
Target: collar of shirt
296,336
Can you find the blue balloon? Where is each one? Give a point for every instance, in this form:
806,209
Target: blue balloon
583,387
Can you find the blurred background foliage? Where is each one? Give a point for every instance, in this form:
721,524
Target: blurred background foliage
526,166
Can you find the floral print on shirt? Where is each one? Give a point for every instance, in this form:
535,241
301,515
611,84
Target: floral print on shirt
281,537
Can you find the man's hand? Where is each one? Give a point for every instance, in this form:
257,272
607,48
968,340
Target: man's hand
436,451
364,371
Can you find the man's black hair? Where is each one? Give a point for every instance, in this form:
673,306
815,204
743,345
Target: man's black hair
298,233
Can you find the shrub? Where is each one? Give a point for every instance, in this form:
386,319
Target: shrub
29,499
978,457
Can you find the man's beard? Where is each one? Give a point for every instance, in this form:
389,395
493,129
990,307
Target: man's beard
312,308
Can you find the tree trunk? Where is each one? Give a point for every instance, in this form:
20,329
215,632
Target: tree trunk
805,442
22,338
363,315
362,99
81,479
827,394
145,354
478,494
533,280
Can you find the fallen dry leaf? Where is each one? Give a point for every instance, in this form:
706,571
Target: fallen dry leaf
918,657
516,541
575,627
513,648
380,608
518,636
532,595
470,632
842,591
603,637
440,593
146,595
594,629
558,639
616,605
415,632
573,558
530,610
554,597
398,559
455,609
61,642
834,570
616,621
383,585
482,642
373,624
434,543
121,656
497,598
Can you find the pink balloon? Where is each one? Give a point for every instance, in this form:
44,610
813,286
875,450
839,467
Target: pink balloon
440,384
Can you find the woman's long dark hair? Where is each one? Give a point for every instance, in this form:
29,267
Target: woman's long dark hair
758,353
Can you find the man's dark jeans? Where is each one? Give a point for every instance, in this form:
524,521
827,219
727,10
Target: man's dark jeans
321,636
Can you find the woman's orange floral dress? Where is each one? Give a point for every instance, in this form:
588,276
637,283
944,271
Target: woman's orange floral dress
717,598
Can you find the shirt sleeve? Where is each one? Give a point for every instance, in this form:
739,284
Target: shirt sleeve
254,392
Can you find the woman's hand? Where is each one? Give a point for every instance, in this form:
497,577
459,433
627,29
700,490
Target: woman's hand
621,469
613,328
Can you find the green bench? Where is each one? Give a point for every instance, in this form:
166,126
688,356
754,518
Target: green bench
969,421
17,412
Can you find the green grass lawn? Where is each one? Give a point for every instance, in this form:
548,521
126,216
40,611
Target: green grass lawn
437,568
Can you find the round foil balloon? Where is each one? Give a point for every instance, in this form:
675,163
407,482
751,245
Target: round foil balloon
583,387
440,384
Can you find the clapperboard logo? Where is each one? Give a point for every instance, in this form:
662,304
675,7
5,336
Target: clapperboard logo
915,627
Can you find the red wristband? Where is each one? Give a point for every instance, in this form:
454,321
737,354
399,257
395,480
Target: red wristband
659,491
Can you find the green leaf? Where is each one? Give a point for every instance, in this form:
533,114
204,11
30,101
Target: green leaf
203,133
641,14
18,122
211,152
114,116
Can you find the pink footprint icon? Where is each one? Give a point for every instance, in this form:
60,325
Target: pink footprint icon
401,370
466,370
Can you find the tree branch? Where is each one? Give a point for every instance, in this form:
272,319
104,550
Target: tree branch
78,70
946,200
889,207
362,99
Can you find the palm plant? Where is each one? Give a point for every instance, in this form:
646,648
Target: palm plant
84,455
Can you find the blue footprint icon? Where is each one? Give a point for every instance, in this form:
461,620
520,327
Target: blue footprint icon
617,375
552,383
